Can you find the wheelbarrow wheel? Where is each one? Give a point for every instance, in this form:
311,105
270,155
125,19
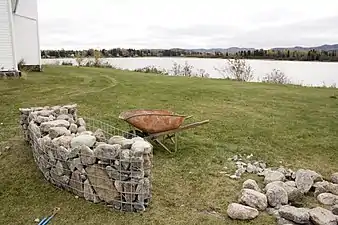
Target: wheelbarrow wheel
131,134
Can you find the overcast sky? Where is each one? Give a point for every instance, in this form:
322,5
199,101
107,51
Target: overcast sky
76,24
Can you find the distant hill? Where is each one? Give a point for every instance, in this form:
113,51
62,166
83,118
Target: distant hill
296,48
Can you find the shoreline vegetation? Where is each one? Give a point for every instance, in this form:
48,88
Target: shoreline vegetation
260,54
235,68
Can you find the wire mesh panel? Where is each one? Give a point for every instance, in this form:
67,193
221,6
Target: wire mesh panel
90,158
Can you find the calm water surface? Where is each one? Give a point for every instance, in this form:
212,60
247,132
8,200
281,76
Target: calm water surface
305,73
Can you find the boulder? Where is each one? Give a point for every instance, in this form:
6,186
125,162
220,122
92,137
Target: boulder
75,164
73,128
55,132
89,192
62,141
334,209
141,147
251,184
87,155
253,199
115,174
333,188
62,153
327,199
100,136
81,129
116,140
55,123
63,117
241,212
334,178
76,184
304,180
321,216
127,143
81,122
107,152
102,184
87,140
297,215
272,176
277,196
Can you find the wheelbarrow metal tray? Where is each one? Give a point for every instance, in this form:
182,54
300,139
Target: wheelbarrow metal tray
153,121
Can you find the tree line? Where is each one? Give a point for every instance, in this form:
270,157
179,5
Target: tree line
272,54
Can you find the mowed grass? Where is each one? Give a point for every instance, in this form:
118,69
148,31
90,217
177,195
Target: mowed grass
297,126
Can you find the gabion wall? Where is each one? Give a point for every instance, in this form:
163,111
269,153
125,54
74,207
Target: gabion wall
90,158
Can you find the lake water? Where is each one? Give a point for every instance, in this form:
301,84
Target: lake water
304,73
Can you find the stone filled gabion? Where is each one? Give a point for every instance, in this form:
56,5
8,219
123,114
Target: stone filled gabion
93,164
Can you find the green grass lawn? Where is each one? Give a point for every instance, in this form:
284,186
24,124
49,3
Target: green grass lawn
293,124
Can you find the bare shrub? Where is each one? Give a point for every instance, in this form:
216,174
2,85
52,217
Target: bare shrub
276,77
152,69
97,58
79,57
236,69
202,73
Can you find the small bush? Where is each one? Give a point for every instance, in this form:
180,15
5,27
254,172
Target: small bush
276,77
236,69
79,57
151,69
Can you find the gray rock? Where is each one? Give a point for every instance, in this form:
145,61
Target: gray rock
62,141
100,136
42,119
44,113
143,190
241,212
116,140
251,168
141,147
59,168
118,186
55,123
277,196
334,209
127,143
74,152
251,184
63,117
253,199
87,140
334,178
321,216
63,110
297,215
87,132
73,128
273,212
125,159
87,155
272,176
76,183
291,183
333,188
45,143
35,130
115,174
81,129
294,194
75,164
137,175
89,194
55,178
102,184
304,180
62,153
107,152
129,191
81,122
55,132
327,199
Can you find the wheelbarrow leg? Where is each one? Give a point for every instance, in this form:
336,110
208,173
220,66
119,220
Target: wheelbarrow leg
163,146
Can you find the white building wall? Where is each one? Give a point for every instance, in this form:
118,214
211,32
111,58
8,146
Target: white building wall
7,55
27,46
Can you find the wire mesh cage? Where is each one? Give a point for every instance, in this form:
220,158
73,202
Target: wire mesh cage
90,158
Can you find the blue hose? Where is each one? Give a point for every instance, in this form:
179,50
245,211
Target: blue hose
42,221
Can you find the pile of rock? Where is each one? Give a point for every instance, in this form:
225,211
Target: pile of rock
282,194
95,165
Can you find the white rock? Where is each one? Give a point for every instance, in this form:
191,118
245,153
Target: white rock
55,132
87,140
321,216
73,128
304,180
273,176
334,178
327,199
253,199
81,122
251,184
87,155
55,123
277,196
297,215
241,212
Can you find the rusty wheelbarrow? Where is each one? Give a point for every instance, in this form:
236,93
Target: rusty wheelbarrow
153,124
